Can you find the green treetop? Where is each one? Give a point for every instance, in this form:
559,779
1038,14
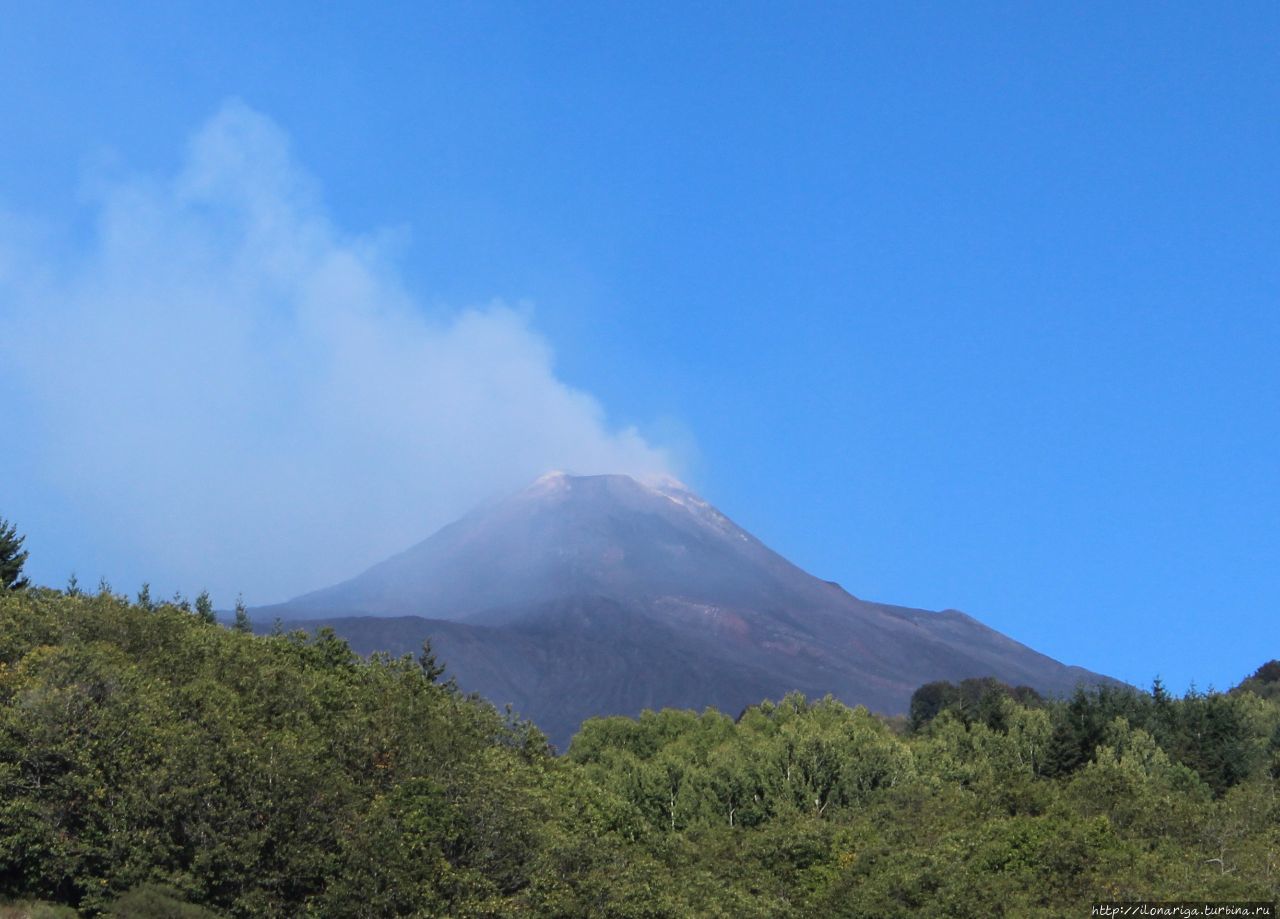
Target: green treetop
12,557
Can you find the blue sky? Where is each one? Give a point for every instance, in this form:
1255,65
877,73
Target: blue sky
973,308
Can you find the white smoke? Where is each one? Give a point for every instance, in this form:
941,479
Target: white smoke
228,390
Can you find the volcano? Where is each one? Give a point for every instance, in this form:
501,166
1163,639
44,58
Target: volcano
596,595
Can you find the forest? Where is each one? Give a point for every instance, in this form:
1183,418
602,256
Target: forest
156,763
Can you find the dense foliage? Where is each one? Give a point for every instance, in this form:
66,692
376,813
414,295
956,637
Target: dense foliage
153,763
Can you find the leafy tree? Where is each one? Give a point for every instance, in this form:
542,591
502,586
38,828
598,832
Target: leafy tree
151,901
976,699
12,557
1264,682
930,700
150,765
1268,672
30,909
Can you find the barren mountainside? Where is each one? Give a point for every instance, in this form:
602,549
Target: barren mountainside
594,595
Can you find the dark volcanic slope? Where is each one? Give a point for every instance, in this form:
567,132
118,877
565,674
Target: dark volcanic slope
605,535
596,595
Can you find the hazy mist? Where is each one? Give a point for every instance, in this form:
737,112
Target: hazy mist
225,389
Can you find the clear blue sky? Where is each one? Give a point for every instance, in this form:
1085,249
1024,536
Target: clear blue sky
962,306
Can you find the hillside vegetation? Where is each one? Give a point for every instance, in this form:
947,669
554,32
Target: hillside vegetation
155,764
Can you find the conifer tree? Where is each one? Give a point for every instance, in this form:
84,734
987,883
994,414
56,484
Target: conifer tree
12,557
432,669
242,616
1159,695
204,607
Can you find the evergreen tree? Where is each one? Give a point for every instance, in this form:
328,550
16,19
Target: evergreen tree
12,557
204,607
73,586
242,616
1077,731
427,661
144,597
1159,695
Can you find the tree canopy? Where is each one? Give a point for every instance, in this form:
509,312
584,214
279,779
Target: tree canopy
153,763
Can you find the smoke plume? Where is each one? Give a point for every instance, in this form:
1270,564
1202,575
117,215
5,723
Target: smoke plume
219,387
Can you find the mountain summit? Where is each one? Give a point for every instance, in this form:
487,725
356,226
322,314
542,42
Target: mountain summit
602,535
605,594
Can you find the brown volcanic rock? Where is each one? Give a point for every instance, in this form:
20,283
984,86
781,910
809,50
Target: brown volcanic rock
598,595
